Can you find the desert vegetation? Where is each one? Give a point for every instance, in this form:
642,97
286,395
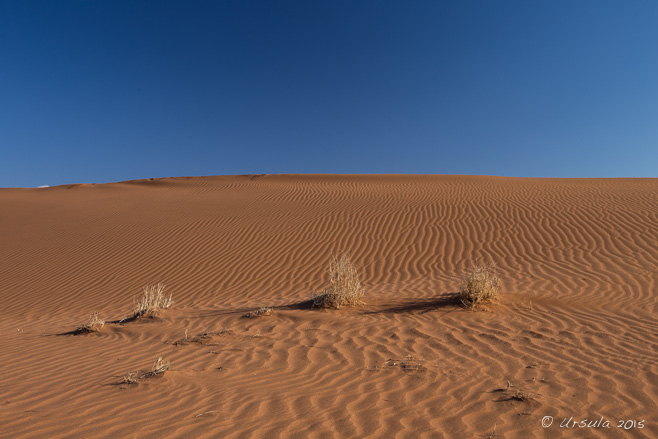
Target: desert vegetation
260,312
131,378
520,395
152,301
159,367
345,288
480,285
94,324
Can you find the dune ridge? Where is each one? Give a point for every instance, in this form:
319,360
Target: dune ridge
575,326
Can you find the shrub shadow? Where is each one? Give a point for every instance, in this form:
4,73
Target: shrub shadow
449,300
304,304
78,331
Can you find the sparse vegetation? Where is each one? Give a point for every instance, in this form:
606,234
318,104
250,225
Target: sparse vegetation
514,393
408,364
480,285
159,367
520,396
345,286
205,338
94,324
260,312
153,300
131,378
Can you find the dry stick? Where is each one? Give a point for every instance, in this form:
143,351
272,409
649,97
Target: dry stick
205,413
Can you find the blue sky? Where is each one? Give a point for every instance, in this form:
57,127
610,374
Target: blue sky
99,91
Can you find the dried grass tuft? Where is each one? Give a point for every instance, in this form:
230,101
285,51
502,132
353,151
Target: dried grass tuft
480,285
152,301
159,367
94,324
131,378
345,286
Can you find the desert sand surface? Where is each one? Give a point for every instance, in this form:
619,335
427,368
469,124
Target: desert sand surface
575,327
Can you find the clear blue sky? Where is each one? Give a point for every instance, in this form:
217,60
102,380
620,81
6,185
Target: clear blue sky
98,91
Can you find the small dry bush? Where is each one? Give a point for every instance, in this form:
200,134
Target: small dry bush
153,300
408,364
159,367
345,287
262,311
131,378
94,324
480,285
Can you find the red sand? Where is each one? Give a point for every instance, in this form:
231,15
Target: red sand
575,327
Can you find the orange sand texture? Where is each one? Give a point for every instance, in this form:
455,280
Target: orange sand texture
575,326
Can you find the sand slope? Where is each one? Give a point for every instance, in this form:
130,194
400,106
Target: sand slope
576,326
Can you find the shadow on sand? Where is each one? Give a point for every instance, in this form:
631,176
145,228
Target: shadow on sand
449,300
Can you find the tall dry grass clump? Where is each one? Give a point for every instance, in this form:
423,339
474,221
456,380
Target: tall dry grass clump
153,300
345,286
480,285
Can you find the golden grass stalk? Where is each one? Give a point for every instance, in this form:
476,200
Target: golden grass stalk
153,300
480,284
344,285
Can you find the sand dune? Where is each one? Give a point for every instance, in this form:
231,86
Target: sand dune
575,327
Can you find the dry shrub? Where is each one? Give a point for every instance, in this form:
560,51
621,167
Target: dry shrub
94,324
480,284
345,287
159,367
153,300
262,311
131,378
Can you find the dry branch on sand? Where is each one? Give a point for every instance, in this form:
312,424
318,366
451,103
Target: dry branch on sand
408,364
159,367
260,312
480,285
345,286
520,395
153,300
